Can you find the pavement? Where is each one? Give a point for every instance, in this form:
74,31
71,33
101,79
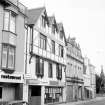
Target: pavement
90,101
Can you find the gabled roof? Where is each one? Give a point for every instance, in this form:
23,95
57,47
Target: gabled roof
34,14
60,26
51,20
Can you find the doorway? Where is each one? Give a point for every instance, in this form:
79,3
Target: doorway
35,95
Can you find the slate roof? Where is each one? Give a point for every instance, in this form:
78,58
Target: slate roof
34,14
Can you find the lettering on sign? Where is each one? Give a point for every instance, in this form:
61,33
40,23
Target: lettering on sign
11,77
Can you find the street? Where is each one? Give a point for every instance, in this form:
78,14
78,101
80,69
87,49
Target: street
101,102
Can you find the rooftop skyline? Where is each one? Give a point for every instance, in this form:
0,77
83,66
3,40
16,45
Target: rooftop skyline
82,19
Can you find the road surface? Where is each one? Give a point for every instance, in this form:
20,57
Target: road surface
102,102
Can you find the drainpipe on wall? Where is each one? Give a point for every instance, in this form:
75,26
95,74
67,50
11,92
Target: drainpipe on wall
31,50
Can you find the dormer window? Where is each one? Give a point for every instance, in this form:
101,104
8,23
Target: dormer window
53,29
61,35
43,21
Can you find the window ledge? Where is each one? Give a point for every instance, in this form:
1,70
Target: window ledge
7,70
9,32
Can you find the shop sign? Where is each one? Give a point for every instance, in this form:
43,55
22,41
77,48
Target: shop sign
11,78
32,81
55,83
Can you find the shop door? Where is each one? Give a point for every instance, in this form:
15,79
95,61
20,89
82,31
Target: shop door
80,93
35,95
69,93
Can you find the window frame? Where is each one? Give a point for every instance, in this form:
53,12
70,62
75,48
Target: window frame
53,94
61,35
61,51
50,70
7,68
53,29
39,67
53,46
59,71
43,41
9,21
43,22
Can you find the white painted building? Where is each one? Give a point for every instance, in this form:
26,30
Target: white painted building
44,59
88,78
74,71
93,80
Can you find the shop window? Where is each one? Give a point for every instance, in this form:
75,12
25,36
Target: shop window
43,42
0,92
9,21
39,67
50,70
8,57
53,94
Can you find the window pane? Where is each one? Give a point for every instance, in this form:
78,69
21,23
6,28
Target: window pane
6,20
4,56
11,58
50,71
12,23
42,41
53,47
41,67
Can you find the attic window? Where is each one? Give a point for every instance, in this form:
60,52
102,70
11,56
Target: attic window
43,21
53,29
61,35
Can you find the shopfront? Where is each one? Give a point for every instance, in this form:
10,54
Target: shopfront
11,87
53,94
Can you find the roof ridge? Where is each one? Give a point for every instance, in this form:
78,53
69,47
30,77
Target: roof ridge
36,8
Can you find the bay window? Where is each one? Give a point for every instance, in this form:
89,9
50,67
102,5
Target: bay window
10,21
8,57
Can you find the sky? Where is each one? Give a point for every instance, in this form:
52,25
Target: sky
82,19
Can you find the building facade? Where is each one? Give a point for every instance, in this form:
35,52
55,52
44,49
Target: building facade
74,71
89,79
93,80
12,17
45,59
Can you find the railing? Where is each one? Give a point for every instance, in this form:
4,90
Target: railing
22,8
15,2
49,55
